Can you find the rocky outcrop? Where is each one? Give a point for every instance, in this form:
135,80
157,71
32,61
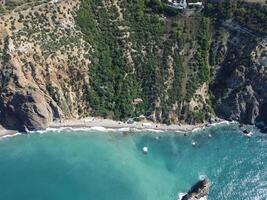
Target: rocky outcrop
23,105
198,191
240,81
43,69
25,110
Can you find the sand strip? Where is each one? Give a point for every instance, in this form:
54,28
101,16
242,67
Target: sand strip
111,124
6,133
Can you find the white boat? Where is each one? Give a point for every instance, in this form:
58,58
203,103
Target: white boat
146,125
145,150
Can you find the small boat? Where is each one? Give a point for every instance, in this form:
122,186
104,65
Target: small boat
145,150
193,144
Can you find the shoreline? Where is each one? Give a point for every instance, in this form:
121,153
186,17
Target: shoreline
100,124
4,133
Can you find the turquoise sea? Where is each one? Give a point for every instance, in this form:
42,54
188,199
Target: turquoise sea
91,165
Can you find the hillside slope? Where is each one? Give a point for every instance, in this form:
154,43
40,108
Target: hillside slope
121,58
239,52
43,66
142,55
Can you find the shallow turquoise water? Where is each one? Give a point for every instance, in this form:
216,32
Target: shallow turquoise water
82,165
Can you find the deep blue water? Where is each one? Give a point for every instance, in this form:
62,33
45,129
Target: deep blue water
87,165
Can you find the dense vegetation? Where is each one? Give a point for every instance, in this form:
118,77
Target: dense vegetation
136,54
147,58
250,15
137,57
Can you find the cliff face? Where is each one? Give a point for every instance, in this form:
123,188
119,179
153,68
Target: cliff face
43,67
121,59
241,78
239,54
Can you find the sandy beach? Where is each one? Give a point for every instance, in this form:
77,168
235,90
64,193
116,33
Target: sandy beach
100,124
95,122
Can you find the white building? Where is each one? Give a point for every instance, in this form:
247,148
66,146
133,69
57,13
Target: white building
182,4
174,4
198,4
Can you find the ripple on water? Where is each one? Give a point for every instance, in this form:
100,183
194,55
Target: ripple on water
94,165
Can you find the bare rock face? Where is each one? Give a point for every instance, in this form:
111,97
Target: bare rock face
25,110
198,191
240,82
43,77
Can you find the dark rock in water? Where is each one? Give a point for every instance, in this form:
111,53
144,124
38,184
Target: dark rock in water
199,190
261,126
263,130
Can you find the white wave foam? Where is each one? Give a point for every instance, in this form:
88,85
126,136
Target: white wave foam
153,130
197,129
202,177
56,129
94,128
39,131
98,128
180,131
9,136
126,129
136,130
224,122
180,195
69,129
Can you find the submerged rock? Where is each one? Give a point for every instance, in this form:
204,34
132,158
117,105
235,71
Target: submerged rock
198,191
261,126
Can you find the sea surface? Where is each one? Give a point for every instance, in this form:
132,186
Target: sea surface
93,165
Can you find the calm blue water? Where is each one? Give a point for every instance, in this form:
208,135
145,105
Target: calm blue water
81,165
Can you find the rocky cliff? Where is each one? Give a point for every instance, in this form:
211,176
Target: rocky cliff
240,84
239,52
120,59
43,65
